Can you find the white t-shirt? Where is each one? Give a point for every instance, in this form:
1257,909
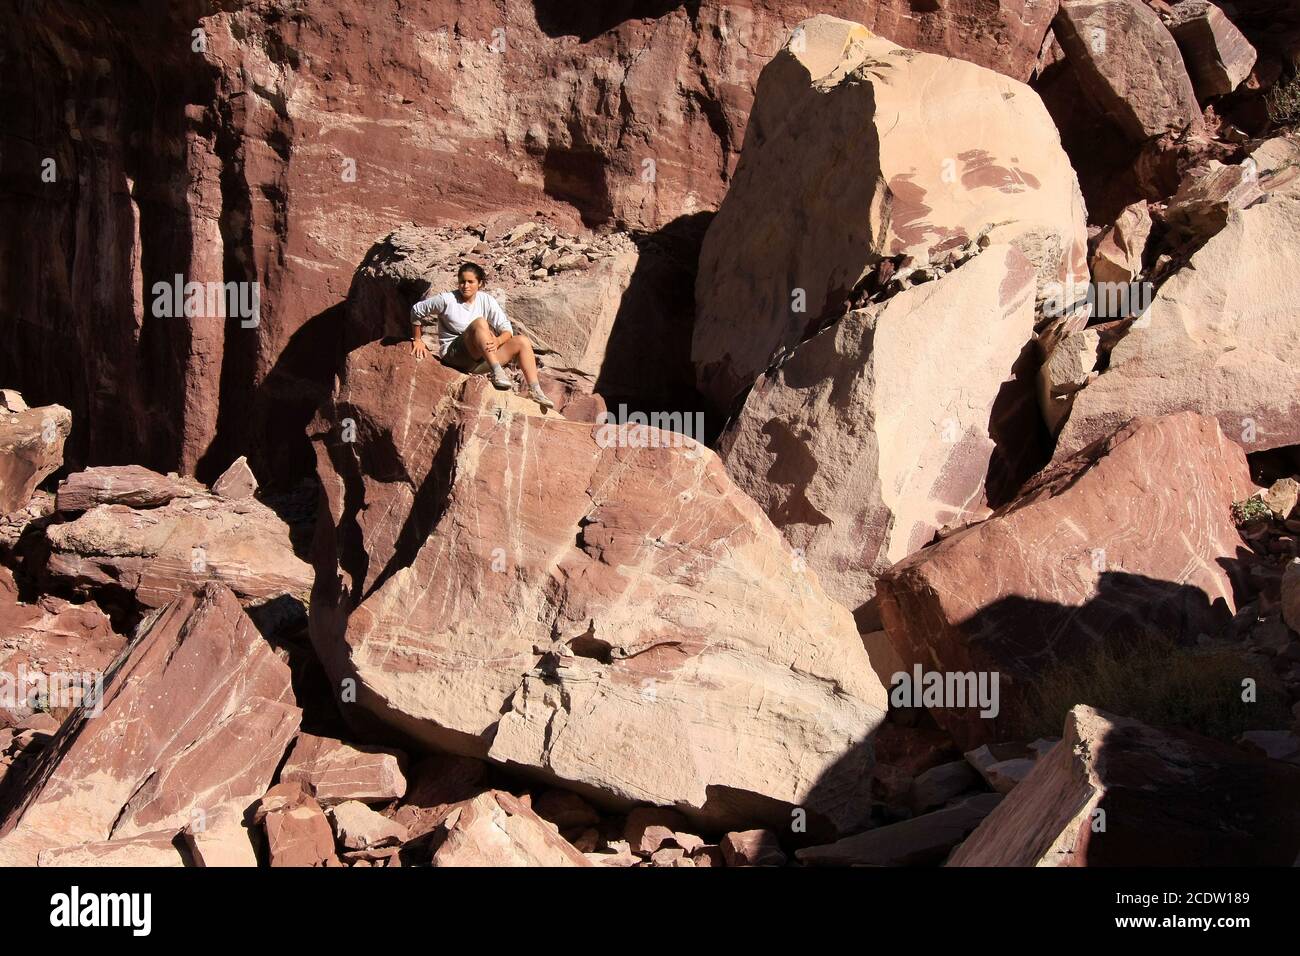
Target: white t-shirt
453,316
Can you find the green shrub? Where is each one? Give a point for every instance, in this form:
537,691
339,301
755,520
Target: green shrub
1251,509
1162,684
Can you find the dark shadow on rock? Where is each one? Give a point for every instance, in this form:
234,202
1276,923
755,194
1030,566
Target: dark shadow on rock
1022,442
561,18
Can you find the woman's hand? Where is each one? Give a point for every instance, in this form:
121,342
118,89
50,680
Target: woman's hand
418,348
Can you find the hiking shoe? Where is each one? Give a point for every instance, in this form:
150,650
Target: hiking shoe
499,378
536,394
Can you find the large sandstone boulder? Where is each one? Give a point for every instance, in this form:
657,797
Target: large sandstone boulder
875,434
31,448
1218,56
1129,65
1116,792
1222,336
196,716
562,597
859,150
157,553
496,829
1135,531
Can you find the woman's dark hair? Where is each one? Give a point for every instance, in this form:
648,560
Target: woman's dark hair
475,268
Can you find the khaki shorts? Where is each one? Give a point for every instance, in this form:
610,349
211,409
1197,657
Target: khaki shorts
457,355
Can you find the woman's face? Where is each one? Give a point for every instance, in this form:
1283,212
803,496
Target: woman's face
467,282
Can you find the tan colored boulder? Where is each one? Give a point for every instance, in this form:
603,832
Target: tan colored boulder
31,448
360,828
158,849
859,150
752,848
1116,792
496,829
130,485
920,841
334,772
162,552
1067,368
1118,257
220,840
574,590
1217,54
875,434
1129,65
195,717
1208,194
1137,530
236,482
1282,497
1221,337
297,831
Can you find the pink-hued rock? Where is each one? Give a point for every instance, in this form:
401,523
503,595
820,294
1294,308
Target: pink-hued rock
220,839
1118,257
859,150
360,828
31,448
236,482
333,771
348,118
1116,792
158,553
1222,335
1218,56
53,636
195,717
1209,194
158,849
753,848
130,485
1134,531
1129,65
855,499
298,834
549,593
496,829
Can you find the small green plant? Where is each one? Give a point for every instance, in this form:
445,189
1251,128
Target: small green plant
1251,509
1162,684
1283,103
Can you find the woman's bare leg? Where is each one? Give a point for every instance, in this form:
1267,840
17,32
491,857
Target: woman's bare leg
519,347
482,344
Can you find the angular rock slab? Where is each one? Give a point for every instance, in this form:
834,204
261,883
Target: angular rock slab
31,448
496,829
196,715
1116,792
132,485
875,434
1129,65
619,618
1136,530
334,772
1222,336
161,552
1218,56
859,150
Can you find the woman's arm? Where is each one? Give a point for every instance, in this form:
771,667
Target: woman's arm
419,312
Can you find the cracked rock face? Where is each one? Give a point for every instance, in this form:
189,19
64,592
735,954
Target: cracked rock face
875,434
1071,563
544,593
857,150
31,448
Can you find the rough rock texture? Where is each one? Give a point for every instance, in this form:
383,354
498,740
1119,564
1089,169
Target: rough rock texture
614,311
31,447
297,830
1068,367
279,147
1217,55
221,839
359,828
236,482
1118,257
573,591
1221,336
130,485
160,849
1129,65
1208,194
875,434
940,152
157,553
921,841
197,713
1070,563
1115,792
334,772
496,829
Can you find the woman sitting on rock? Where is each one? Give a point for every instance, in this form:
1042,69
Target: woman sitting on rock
474,334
